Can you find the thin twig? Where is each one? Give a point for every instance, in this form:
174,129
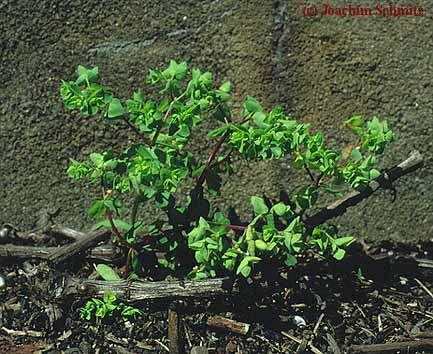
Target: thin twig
155,137
427,290
162,345
317,325
385,180
299,341
310,174
211,158
29,333
136,131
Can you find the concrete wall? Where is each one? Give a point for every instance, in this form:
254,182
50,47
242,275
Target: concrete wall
322,69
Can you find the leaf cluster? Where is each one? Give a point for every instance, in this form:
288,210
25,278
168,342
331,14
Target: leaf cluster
109,306
196,237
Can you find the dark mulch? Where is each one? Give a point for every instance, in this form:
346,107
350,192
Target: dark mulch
378,294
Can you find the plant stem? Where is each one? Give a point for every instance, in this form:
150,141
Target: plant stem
128,263
115,230
155,137
136,131
235,227
134,210
310,174
167,113
211,158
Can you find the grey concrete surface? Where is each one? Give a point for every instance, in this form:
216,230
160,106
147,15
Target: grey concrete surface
321,69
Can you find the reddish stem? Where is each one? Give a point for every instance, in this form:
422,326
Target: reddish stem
211,158
136,131
153,142
235,227
128,263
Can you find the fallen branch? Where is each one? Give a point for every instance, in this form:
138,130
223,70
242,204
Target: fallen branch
107,253
301,342
67,232
69,250
14,333
25,252
402,347
140,290
175,330
385,180
228,324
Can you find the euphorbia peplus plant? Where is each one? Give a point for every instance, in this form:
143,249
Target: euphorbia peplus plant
196,239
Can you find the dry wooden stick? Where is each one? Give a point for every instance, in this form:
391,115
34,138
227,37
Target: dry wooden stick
67,251
299,341
106,253
67,232
403,347
228,324
24,252
175,330
427,290
140,290
385,180
332,343
15,333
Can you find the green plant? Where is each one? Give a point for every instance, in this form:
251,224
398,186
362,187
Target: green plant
197,239
109,306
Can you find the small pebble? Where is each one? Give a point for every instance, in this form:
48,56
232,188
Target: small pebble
299,321
4,234
2,282
199,350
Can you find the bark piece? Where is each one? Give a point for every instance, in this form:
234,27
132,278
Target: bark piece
199,350
228,324
403,347
106,253
385,180
24,252
175,330
87,241
140,290
67,232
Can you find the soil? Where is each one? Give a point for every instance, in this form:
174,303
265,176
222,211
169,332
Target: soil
377,294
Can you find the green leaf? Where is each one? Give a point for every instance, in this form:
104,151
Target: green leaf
252,106
259,205
246,271
115,109
218,132
82,74
179,71
97,209
280,208
339,254
138,96
373,174
344,241
356,155
293,224
261,245
354,122
290,260
120,225
109,296
226,87
93,74
113,204
81,70
106,272
259,120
